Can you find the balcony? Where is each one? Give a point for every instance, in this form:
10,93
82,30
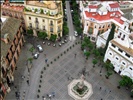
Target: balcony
51,24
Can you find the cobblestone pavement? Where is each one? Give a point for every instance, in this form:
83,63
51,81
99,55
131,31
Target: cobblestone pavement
55,77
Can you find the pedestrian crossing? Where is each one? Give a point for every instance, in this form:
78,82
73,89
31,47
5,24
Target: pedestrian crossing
72,38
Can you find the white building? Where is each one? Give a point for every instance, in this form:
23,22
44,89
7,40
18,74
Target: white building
97,18
102,38
120,53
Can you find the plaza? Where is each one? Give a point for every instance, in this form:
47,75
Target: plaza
56,77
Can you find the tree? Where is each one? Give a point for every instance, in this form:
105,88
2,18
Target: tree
87,53
96,52
65,30
42,35
126,81
110,37
108,74
30,59
94,61
31,49
30,31
108,66
53,37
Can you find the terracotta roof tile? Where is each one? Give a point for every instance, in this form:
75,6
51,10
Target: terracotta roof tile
108,16
114,5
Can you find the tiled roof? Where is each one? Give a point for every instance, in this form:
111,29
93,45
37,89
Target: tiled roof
114,5
106,17
10,27
128,50
12,7
93,6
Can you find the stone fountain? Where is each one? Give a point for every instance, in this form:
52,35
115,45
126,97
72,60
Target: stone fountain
80,89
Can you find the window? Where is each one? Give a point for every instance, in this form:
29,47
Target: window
95,27
120,50
116,58
113,45
130,68
29,18
124,27
110,53
59,21
123,63
51,29
14,59
103,26
30,24
36,19
93,38
87,24
127,55
51,22
123,37
43,27
99,27
119,35
43,20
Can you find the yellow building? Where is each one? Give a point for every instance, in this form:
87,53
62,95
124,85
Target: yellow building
44,16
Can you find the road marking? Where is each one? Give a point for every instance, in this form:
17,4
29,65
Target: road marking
72,38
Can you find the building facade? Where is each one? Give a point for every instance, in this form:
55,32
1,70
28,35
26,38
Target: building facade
44,16
14,10
120,52
12,40
98,17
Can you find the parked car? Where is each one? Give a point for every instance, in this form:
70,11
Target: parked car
36,55
75,33
65,40
43,42
39,47
54,45
49,44
60,44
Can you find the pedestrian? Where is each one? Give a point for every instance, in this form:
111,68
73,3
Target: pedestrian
100,74
46,60
22,77
110,91
45,55
100,88
101,99
88,73
75,55
28,82
68,78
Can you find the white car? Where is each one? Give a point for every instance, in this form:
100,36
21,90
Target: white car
36,55
39,47
75,33
54,45
60,44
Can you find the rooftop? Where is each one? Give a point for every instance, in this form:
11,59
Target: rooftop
127,50
106,17
10,27
93,6
12,7
114,5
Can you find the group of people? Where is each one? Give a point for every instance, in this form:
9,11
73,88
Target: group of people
49,96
